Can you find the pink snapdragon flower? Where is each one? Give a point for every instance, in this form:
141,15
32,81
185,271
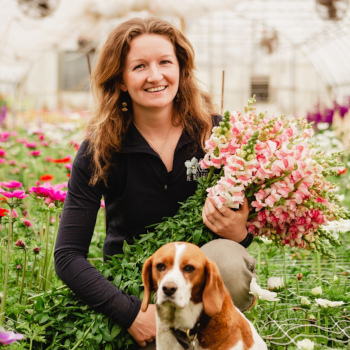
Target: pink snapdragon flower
268,160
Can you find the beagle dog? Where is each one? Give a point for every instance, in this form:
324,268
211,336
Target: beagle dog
194,308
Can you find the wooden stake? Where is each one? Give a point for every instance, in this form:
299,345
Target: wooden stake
222,92
183,25
89,64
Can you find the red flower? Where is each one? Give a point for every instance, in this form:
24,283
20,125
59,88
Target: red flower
36,250
3,212
62,160
20,244
342,171
46,177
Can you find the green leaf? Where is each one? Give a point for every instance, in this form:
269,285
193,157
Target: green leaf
115,330
39,305
44,318
106,334
145,237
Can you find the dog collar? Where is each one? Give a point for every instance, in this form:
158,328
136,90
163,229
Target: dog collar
187,338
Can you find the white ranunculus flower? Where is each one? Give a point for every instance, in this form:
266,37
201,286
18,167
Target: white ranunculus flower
260,293
305,344
327,303
275,283
305,301
316,291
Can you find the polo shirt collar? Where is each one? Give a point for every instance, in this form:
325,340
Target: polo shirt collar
135,143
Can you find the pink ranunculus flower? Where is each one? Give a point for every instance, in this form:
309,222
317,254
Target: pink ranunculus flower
15,194
31,145
8,337
51,193
27,223
35,153
11,184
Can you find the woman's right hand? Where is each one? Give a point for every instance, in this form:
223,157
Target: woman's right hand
143,329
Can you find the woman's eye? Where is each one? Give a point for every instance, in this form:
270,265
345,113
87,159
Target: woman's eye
165,62
139,66
189,268
160,267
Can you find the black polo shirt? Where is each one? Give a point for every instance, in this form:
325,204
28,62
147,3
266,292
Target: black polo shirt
140,192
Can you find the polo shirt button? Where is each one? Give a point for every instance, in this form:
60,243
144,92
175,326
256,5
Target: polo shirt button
165,187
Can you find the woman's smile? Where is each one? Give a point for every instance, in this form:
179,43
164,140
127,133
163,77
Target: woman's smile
151,73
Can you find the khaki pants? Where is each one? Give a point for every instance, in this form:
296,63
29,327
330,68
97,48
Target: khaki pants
237,268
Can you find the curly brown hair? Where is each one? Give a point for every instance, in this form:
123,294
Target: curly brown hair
108,125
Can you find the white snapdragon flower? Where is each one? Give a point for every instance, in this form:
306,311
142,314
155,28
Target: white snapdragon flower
316,291
327,303
261,293
305,344
275,283
305,301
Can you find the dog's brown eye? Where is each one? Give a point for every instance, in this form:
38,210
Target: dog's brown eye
160,267
189,268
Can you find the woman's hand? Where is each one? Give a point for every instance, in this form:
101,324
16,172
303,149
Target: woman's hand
143,329
227,223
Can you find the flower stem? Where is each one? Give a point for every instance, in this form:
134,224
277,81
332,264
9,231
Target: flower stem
82,338
285,272
3,299
50,264
47,239
32,274
334,265
23,275
318,260
298,289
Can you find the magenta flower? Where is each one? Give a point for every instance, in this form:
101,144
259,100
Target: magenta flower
31,144
20,244
4,136
2,152
12,162
40,191
2,161
11,184
15,194
27,223
51,192
8,337
35,153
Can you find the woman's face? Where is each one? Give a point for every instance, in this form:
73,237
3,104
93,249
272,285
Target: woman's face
151,73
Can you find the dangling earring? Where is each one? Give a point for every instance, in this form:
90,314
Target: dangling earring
124,105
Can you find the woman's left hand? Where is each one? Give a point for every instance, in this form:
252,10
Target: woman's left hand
227,223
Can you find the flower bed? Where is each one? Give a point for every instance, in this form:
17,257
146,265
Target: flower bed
34,171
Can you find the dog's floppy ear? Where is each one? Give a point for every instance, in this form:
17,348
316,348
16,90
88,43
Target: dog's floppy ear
147,282
214,290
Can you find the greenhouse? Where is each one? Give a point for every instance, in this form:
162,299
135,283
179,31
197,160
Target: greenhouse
129,125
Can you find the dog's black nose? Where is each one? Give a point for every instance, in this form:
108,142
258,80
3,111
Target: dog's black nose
169,288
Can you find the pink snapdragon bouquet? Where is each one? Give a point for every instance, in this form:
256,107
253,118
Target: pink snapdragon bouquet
272,162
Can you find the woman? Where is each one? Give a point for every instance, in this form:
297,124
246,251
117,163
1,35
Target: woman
150,119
